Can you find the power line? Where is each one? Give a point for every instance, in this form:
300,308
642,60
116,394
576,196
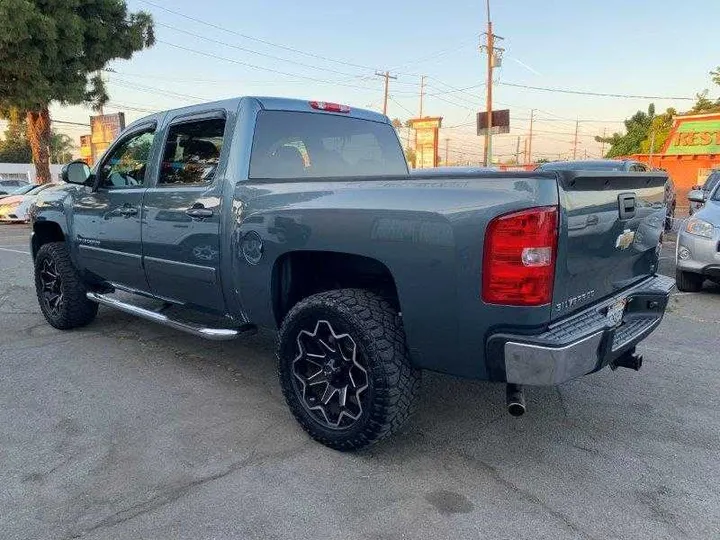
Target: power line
598,94
54,121
258,53
258,40
271,70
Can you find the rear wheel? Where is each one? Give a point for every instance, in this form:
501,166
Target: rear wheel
688,281
60,290
344,368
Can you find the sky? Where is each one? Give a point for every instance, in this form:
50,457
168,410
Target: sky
331,50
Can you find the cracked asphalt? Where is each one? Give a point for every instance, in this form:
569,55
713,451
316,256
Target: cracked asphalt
125,429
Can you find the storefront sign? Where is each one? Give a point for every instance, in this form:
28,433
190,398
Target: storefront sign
426,141
695,137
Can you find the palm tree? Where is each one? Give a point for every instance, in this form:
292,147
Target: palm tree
61,147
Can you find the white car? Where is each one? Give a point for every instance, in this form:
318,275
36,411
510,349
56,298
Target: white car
15,208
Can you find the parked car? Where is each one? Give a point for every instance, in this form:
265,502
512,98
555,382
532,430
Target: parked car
697,253
7,185
619,165
22,190
302,217
16,207
710,182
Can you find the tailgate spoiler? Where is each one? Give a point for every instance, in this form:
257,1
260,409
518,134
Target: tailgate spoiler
609,180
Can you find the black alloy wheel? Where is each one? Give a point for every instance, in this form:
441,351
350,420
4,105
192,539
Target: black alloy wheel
344,368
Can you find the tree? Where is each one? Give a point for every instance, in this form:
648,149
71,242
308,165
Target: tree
659,132
637,128
61,147
704,104
52,51
15,147
715,74
410,156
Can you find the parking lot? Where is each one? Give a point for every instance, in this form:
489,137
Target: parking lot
125,429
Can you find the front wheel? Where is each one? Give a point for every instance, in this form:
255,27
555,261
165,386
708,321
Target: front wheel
688,281
60,290
344,368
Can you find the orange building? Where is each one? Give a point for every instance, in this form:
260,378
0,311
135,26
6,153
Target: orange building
691,151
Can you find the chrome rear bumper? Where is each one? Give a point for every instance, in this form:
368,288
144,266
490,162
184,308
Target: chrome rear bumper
584,342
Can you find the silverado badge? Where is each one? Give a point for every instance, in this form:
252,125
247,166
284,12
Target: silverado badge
625,239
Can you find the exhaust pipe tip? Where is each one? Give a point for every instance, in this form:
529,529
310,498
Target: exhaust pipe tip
515,399
516,409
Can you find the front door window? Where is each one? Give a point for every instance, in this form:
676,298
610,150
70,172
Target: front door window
126,165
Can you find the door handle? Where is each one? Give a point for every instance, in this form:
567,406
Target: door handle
199,212
128,211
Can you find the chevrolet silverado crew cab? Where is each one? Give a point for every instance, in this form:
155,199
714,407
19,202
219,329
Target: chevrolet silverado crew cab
302,217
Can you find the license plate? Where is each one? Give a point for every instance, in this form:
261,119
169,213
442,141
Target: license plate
615,313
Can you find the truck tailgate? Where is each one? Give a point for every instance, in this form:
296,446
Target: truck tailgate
610,233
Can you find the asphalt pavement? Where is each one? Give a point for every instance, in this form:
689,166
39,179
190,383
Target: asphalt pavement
125,429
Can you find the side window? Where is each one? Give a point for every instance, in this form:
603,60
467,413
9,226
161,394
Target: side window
192,152
126,165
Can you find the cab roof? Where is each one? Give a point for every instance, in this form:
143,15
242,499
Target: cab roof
267,103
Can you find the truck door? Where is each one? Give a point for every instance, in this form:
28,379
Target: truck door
107,219
181,228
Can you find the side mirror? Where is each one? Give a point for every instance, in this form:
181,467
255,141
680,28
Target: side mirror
696,195
76,172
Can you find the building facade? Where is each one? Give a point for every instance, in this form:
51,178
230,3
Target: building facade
690,152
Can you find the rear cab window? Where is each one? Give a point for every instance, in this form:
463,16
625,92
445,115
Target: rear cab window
296,145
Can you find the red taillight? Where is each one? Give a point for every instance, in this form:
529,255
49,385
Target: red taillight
519,257
329,107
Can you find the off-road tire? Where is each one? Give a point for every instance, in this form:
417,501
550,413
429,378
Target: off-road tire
377,330
75,310
688,281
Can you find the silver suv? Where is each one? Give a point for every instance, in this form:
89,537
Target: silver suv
697,253
706,188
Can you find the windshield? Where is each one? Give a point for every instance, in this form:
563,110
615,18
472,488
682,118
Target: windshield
715,196
711,181
290,145
583,166
23,189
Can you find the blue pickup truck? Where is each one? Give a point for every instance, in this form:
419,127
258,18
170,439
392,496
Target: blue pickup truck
302,217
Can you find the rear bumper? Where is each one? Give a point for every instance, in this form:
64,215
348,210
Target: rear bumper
584,342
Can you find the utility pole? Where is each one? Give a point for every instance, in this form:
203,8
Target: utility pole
422,94
387,77
575,142
528,154
525,153
490,49
447,150
602,148
517,151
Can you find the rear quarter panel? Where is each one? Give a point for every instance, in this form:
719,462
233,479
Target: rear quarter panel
428,232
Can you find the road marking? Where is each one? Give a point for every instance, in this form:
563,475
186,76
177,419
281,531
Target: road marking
15,251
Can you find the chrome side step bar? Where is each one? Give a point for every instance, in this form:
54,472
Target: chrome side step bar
214,334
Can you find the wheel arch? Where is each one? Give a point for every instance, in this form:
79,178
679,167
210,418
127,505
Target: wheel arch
299,274
45,232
